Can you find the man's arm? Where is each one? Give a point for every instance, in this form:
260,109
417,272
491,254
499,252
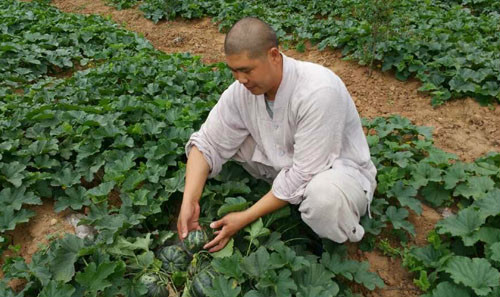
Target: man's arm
197,170
235,221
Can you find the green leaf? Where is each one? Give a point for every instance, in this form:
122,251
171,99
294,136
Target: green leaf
66,178
145,260
447,289
397,218
256,230
423,173
465,224
283,256
63,259
57,289
232,204
334,263
422,282
75,198
9,218
94,277
493,252
227,251
281,283
223,287
488,205
15,198
315,279
256,263
476,187
475,273
124,247
102,190
229,266
454,175
439,157
406,196
367,278
435,194
13,173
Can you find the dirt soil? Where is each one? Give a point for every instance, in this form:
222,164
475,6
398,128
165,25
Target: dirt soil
462,127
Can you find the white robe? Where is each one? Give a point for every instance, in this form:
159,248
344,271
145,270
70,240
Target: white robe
315,127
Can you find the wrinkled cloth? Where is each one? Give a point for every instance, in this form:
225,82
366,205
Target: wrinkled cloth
333,205
315,127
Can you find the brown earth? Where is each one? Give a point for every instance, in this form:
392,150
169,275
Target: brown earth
462,127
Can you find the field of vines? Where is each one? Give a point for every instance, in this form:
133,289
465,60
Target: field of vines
89,111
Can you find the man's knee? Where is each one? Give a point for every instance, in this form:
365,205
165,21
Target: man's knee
322,195
332,207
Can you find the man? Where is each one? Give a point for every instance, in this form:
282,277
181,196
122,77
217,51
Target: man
291,123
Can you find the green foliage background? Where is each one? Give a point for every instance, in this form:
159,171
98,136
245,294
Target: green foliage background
119,128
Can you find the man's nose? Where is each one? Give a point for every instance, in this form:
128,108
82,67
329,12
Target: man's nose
241,77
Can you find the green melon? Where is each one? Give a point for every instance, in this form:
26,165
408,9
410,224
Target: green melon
154,286
200,281
173,258
195,241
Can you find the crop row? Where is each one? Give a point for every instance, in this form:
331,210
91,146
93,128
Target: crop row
451,49
110,140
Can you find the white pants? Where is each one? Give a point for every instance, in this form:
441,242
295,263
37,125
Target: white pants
333,201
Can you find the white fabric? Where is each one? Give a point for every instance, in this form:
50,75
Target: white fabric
333,201
315,127
332,206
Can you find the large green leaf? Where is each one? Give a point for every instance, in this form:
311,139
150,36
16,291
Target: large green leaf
406,196
229,266
95,277
447,289
9,218
15,198
75,198
488,205
476,273
465,224
476,187
12,172
280,284
63,258
397,217
257,263
57,289
223,287
232,204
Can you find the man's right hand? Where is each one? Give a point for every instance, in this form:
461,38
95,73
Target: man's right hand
188,218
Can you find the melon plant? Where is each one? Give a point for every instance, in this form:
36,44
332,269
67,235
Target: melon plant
173,258
201,281
155,287
195,241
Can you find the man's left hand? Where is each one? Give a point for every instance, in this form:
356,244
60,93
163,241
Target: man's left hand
228,226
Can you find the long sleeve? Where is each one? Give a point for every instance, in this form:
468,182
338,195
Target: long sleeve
221,135
317,141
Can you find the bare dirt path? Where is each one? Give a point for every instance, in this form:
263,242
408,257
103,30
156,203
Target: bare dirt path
462,127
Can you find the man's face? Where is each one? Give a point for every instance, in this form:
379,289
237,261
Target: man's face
258,75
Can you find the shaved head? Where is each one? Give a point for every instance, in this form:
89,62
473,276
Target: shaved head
250,35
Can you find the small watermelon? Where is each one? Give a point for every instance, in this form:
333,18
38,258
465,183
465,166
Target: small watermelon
195,241
154,286
200,281
173,258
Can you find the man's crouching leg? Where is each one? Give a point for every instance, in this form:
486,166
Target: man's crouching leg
332,206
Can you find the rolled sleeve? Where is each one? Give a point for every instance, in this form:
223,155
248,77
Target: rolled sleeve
318,141
221,135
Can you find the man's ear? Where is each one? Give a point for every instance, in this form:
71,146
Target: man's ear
274,54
